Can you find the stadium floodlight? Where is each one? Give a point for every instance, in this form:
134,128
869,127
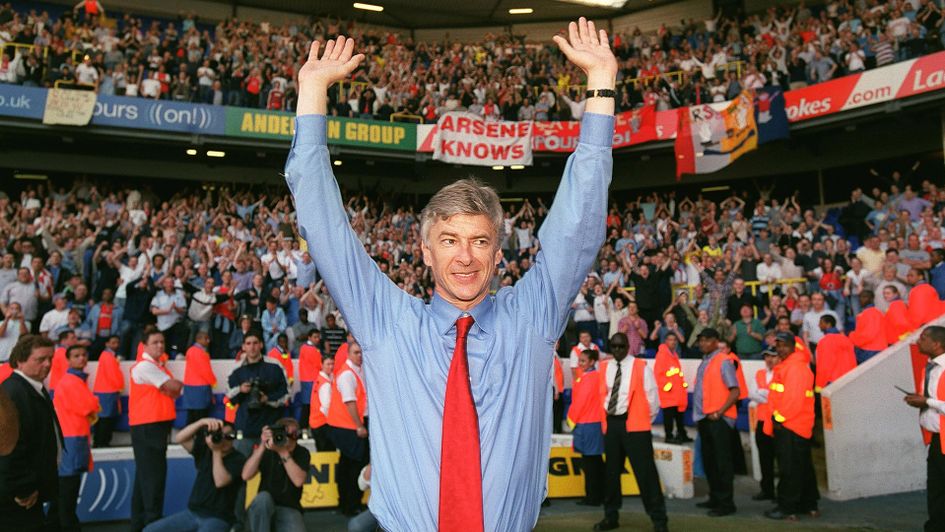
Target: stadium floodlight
30,177
337,162
517,167
521,11
215,153
191,152
612,4
498,167
368,7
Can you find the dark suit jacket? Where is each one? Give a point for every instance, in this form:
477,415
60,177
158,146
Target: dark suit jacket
32,464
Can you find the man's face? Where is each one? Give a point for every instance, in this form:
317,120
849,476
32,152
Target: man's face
784,349
462,252
69,340
60,303
817,300
23,275
739,285
252,348
154,345
78,358
746,313
927,346
112,344
328,366
671,342
708,345
354,354
38,364
168,284
585,338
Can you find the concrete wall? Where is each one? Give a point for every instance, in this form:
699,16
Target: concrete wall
650,19
457,34
875,446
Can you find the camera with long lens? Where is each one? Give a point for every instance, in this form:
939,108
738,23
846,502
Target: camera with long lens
217,436
255,401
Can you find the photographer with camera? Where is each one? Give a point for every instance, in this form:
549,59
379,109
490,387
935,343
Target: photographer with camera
219,469
283,468
258,387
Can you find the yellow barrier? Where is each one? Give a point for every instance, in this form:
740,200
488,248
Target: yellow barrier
408,117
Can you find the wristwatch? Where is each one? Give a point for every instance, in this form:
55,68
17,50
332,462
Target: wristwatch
284,458
600,93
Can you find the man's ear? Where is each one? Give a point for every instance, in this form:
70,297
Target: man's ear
427,254
498,256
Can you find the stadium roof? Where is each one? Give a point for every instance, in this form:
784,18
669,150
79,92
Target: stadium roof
454,13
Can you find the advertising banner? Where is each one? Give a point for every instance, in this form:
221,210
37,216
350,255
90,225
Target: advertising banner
259,123
466,138
22,102
69,107
161,115
712,136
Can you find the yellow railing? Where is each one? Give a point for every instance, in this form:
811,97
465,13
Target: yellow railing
753,285
406,117
676,75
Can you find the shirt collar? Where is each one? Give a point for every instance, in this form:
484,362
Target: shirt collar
940,360
78,373
38,386
445,314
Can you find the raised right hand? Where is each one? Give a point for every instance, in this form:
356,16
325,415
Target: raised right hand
317,74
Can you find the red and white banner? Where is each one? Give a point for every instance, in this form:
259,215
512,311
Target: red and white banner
465,138
892,82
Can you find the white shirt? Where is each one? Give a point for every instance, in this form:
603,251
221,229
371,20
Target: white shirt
324,394
759,395
576,352
86,74
768,273
929,417
54,319
581,312
348,384
9,339
601,312
623,393
149,374
811,324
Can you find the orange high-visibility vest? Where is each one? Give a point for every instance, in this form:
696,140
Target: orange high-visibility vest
197,368
146,403
59,366
585,400
285,360
164,356
670,379
310,362
75,406
763,410
576,352
940,395
108,377
638,406
5,371
897,321
341,359
338,415
229,410
315,417
791,397
835,358
559,375
924,305
714,390
870,332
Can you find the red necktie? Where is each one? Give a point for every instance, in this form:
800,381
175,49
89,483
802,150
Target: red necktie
460,470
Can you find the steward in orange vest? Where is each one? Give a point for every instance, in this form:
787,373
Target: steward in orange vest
719,386
869,337
281,355
152,391
310,366
931,404
764,442
924,305
897,320
584,342
77,409
584,418
348,419
108,385
67,339
5,371
320,400
199,379
674,392
835,354
791,399
629,398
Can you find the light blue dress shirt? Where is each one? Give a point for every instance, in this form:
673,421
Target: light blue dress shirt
408,345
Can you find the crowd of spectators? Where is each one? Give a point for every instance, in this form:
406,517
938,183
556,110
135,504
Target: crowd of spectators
101,260
253,63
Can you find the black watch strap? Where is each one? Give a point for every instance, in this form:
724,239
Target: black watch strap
600,93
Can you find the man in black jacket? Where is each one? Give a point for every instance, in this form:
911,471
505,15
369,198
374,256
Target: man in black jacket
28,475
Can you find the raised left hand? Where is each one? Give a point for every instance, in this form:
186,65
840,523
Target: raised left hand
589,49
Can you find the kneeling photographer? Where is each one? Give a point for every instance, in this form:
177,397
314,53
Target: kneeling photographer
219,469
283,468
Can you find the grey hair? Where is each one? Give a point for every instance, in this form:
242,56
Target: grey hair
466,196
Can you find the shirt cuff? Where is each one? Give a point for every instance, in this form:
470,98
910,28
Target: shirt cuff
936,404
310,129
597,130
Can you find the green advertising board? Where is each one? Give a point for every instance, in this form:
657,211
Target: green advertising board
262,124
